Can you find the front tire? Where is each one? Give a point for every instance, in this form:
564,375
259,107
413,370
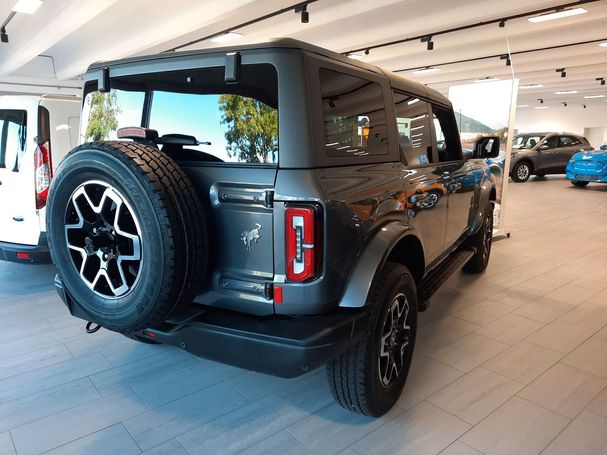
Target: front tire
521,172
579,184
369,378
481,241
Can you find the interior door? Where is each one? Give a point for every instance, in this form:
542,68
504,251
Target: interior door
18,216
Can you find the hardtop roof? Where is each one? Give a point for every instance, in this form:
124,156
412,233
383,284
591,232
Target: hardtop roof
283,43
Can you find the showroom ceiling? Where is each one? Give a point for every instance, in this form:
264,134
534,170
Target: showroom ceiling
53,46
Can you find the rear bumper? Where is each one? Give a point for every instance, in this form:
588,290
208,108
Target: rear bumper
26,254
277,345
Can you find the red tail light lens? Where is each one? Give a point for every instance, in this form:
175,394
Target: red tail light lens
43,173
303,248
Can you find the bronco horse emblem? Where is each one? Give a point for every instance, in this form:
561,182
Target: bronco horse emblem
248,237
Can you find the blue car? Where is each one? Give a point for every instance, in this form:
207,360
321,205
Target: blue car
586,167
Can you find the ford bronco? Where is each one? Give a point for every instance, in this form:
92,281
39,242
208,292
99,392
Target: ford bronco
275,206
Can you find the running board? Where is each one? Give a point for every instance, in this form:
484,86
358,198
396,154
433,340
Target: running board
438,275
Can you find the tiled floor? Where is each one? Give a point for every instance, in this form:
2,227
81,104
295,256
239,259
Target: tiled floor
510,362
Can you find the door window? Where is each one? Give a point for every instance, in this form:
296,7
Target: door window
414,135
354,115
551,142
13,137
448,144
568,141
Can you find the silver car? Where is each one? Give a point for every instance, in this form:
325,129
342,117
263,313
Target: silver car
543,153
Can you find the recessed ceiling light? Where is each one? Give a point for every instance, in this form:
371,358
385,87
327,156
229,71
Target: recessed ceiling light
541,107
487,79
355,56
27,6
528,86
427,71
590,97
522,105
557,15
566,92
229,36
603,44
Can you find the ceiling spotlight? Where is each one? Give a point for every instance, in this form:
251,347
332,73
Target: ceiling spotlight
428,40
305,15
522,105
564,104
584,106
427,70
528,86
507,58
541,100
557,15
591,97
228,36
601,80
27,6
541,107
366,51
566,92
502,24
562,71
3,36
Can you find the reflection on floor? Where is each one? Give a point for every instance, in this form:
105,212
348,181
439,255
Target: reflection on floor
511,362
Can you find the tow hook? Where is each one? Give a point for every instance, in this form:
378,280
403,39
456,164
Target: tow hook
91,327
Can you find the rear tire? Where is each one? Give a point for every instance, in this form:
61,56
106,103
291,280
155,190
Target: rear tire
579,184
481,241
369,378
521,172
126,210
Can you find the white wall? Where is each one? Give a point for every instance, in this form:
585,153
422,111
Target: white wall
572,119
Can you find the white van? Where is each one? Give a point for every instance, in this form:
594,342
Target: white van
36,132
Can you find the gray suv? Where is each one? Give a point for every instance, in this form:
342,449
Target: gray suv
543,153
276,206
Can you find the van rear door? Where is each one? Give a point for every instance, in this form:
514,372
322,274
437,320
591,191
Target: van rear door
19,222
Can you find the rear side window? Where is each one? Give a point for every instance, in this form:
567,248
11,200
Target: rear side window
448,145
568,141
354,115
13,137
414,135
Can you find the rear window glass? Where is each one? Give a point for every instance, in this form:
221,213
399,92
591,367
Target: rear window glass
354,115
412,123
231,123
13,137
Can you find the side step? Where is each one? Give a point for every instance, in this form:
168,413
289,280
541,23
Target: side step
438,275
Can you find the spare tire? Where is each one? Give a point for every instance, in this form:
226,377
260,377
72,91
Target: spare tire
127,234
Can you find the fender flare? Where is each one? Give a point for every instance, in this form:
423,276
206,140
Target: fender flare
478,214
371,260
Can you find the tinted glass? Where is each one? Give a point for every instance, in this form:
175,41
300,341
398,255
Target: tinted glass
526,141
354,115
412,123
104,113
448,144
13,137
551,142
568,141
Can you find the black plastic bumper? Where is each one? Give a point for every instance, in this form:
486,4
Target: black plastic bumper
26,254
277,345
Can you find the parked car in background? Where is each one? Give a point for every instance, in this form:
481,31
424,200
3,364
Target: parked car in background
586,167
543,153
35,134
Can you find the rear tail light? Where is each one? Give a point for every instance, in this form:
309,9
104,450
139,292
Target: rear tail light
303,242
43,173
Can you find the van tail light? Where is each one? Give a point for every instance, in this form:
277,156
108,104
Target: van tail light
43,173
303,242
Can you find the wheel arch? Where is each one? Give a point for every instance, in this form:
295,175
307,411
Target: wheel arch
395,241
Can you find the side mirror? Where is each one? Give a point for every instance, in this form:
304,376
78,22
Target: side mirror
487,147
544,147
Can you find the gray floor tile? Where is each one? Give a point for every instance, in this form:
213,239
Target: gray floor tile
599,404
44,338
172,447
475,395
518,427
588,315
12,366
561,336
242,428
64,427
587,435
109,441
253,385
459,448
424,429
50,376
309,394
177,417
590,356
468,352
516,297
177,384
564,389
444,331
118,378
334,428
510,329
484,312
279,444
6,444
544,310
47,402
